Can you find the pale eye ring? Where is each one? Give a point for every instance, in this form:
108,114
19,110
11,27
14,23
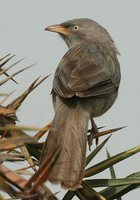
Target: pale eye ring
75,27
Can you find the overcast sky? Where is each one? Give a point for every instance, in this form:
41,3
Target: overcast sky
22,33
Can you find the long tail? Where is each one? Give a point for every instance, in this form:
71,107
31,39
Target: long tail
69,132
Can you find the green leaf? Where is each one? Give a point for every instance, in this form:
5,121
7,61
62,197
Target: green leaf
115,192
80,196
111,161
69,195
89,193
111,168
96,151
27,156
112,182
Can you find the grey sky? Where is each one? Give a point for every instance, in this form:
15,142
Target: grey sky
21,33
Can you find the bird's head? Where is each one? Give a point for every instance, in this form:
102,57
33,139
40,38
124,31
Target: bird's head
77,31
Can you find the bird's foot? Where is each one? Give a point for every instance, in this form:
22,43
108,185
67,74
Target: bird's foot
91,136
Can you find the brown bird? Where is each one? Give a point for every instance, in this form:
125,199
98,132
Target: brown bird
85,86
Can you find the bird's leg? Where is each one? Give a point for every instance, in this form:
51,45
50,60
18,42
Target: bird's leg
93,132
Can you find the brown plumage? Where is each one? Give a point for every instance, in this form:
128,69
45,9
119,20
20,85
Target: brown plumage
85,86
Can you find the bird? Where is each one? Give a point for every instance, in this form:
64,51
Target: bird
85,86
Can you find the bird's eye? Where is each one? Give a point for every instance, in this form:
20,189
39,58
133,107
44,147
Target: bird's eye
75,28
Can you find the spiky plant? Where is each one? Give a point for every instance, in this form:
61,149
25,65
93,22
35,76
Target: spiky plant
16,145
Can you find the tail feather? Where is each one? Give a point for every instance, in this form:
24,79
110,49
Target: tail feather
68,132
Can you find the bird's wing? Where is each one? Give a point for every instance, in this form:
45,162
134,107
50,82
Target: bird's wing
86,70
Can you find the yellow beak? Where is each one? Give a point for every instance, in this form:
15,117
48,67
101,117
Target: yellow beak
58,29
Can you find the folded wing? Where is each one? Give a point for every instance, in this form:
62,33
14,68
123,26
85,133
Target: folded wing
86,71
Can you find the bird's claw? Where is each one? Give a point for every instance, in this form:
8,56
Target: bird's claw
91,136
